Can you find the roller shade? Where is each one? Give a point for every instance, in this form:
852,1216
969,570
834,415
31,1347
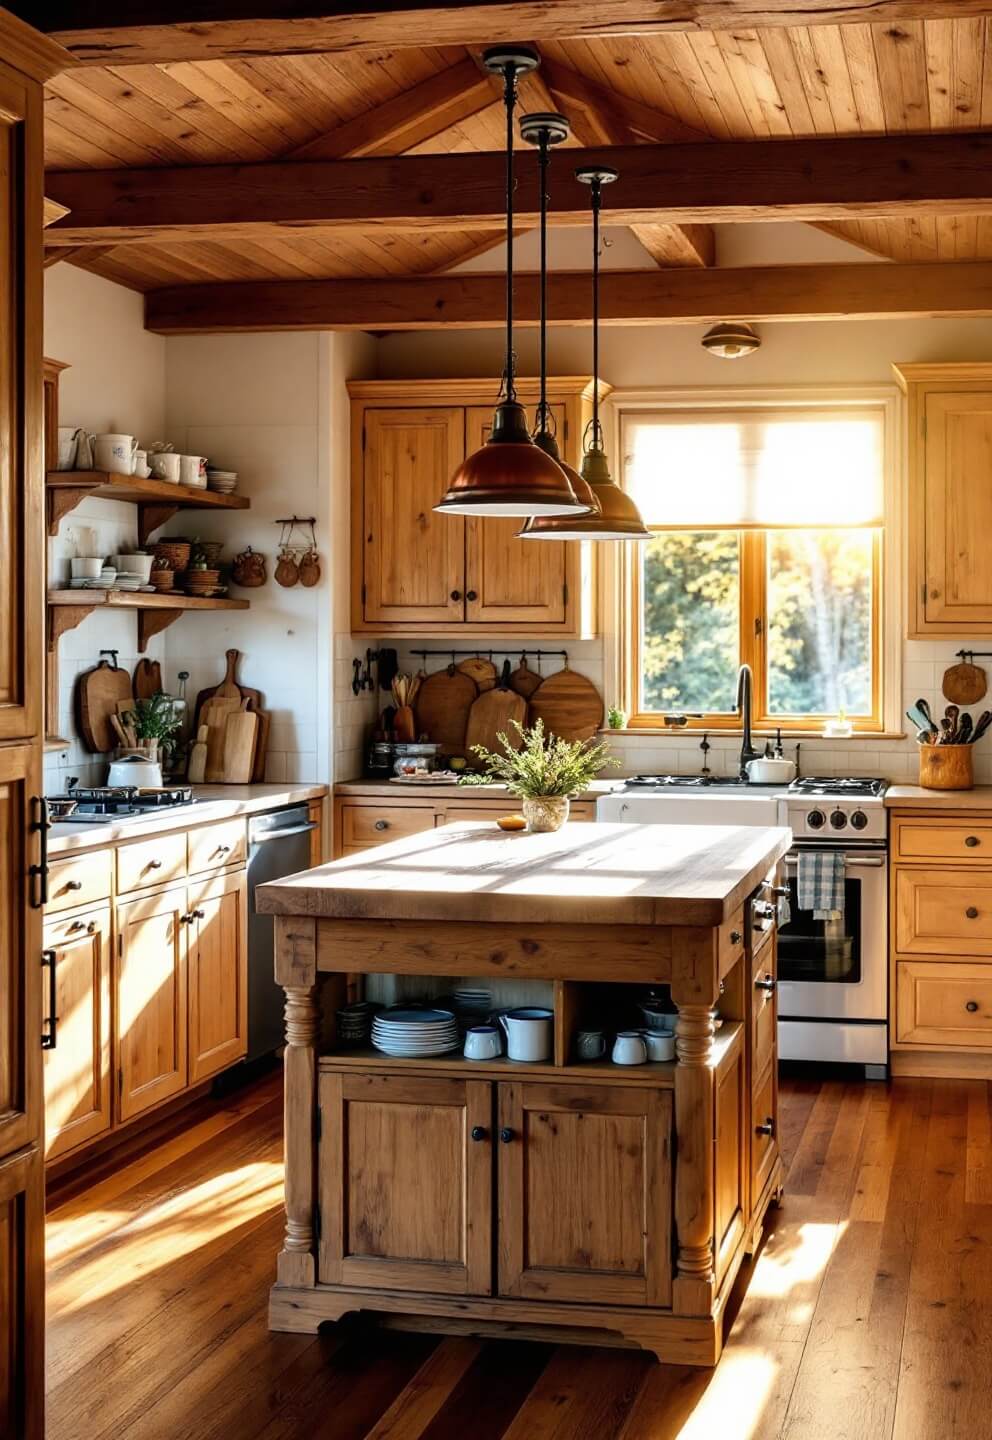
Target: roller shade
755,469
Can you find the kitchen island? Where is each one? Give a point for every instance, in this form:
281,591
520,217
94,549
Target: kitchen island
579,1198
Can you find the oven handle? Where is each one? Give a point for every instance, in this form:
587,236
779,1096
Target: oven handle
849,862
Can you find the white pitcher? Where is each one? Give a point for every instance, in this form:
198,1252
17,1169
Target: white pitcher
528,1033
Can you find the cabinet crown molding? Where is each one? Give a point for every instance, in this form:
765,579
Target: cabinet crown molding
470,391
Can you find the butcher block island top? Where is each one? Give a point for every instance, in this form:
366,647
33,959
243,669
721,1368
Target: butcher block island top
564,1191
582,874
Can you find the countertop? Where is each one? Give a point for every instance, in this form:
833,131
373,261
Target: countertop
213,802
610,874
914,797
449,789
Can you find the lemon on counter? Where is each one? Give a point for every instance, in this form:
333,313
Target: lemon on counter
512,822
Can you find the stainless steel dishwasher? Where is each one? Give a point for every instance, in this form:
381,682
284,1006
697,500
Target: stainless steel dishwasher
278,845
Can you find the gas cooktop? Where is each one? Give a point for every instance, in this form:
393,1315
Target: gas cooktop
682,782
843,785
95,805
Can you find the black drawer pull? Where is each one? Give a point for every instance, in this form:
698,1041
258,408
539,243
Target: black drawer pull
971,1006
506,1135
479,1132
49,1034
971,841
767,984
736,937
74,884
154,865
767,1129
199,915
972,912
382,825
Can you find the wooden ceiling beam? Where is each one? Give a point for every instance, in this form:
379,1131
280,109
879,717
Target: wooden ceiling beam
639,297
118,32
720,181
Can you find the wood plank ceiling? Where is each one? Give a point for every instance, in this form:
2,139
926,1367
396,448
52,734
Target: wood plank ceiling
734,84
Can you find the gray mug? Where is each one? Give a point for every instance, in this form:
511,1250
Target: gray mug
590,1044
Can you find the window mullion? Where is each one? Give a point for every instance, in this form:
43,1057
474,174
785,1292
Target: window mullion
754,615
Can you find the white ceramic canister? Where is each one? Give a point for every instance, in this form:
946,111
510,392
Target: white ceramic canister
115,453
629,1048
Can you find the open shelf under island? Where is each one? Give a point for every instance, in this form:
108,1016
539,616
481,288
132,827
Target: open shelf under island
500,1196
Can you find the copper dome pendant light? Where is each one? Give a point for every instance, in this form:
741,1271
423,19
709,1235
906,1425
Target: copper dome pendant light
510,475
618,518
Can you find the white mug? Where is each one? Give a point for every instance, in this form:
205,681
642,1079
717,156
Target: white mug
115,453
141,466
482,1042
528,1033
165,465
629,1048
660,1045
193,471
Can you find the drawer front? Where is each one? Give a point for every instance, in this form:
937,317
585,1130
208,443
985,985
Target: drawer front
944,1004
764,1009
731,942
214,846
78,880
375,824
968,842
943,912
151,862
453,811
764,1145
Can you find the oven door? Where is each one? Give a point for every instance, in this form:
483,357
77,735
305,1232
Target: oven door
836,969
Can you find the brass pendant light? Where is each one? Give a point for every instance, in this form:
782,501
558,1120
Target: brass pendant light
510,475
544,130
618,517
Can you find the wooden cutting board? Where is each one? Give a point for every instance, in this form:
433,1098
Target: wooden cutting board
569,704
483,672
443,703
261,747
214,716
230,687
98,695
525,680
240,736
490,716
147,679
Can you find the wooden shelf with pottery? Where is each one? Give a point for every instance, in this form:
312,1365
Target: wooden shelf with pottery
157,500
67,608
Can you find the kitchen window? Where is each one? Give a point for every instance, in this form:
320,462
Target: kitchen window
767,548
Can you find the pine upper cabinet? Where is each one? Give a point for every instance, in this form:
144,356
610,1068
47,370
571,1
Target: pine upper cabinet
77,1066
218,974
585,1193
420,573
950,507
150,975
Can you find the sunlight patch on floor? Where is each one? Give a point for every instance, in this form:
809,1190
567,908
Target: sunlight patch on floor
735,1399
794,1260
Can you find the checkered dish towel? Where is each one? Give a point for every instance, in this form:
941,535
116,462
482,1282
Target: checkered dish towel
820,883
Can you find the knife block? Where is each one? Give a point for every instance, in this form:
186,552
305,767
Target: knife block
946,767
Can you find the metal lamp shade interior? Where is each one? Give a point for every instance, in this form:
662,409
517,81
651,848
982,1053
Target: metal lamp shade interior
510,475
616,517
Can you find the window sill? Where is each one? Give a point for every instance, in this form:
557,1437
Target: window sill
660,732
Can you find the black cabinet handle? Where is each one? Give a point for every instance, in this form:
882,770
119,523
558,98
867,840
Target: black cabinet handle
382,825
456,594
154,865
199,914
736,937
971,1006
767,1129
74,884
506,1135
49,1034
479,1132
767,984
38,874
186,919
972,912
471,595
971,841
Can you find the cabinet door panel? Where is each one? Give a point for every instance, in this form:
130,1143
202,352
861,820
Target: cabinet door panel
943,912
731,1167
20,953
405,1192
77,1070
218,975
585,1194
150,994
22,1295
958,577
512,580
413,560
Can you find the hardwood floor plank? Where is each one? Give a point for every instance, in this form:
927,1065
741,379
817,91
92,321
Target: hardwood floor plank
583,1394
978,1178
415,1407
491,1391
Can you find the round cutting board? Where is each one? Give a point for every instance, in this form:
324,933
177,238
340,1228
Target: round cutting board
443,703
483,672
569,704
965,684
490,717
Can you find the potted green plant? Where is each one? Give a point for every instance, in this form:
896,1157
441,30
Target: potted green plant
544,772
616,718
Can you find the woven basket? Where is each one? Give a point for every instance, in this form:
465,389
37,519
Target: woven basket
176,552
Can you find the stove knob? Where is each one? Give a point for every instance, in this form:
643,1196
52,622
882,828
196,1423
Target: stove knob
859,820
838,819
816,819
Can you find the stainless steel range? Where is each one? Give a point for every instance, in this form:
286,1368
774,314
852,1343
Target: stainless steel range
101,804
832,973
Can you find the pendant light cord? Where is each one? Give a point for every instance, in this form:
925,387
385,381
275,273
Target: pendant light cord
543,417
510,100
596,197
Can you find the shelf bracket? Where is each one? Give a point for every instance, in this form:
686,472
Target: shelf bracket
152,622
150,517
62,618
62,499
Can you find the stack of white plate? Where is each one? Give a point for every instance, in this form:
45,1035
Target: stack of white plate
223,481
128,580
415,1033
471,1002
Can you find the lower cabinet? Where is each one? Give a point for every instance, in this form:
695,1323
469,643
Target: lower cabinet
77,1062
217,942
581,1177
150,975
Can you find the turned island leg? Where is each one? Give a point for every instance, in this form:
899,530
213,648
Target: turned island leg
694,990
296,972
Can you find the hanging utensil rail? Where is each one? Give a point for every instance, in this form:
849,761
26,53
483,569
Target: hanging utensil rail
488,654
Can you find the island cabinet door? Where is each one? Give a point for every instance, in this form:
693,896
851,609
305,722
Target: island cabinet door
406,1183
585,1193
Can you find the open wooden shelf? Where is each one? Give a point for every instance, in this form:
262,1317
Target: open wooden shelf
67,608
157,500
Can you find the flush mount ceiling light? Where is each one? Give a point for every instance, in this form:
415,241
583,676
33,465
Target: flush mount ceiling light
731,340
510,475
618,518
544,130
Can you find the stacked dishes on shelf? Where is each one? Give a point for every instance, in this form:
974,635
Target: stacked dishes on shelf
471,1006
412,1034
354,1023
